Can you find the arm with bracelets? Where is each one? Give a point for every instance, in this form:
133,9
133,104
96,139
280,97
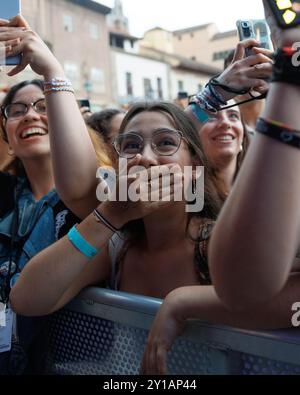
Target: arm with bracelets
254,244
242,76
73,155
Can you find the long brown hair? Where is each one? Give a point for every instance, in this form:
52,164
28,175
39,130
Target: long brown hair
213,197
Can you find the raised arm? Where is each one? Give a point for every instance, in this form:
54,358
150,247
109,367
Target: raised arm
73,154
242,74
202,303
57,274
254,243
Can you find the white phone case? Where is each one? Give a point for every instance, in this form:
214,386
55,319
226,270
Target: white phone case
9,9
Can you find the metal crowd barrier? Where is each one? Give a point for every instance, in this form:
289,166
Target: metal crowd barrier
103,332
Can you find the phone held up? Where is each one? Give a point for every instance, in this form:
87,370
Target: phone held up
286,12
257,29
8,10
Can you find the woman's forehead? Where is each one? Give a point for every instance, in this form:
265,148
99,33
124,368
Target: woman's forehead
28,93
233,103
151,120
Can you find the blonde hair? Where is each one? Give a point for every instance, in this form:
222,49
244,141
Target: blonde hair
100,149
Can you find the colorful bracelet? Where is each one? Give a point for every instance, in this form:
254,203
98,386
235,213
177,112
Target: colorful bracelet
58,84
279,132
81,244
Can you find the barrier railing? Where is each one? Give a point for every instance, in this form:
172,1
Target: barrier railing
103,332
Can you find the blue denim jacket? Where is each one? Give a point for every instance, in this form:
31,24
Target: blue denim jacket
36,231
35,225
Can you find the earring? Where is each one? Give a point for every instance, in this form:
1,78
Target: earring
10,151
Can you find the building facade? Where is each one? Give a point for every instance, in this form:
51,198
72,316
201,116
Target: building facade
76,32
203,44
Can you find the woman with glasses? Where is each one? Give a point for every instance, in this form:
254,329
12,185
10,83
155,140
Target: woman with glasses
145,246
32,215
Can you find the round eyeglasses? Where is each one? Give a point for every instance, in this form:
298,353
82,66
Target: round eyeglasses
164,142
18,110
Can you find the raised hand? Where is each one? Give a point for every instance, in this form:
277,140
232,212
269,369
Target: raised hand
250,72
18,38
165,329
145,184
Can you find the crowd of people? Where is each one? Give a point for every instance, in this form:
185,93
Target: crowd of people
234,262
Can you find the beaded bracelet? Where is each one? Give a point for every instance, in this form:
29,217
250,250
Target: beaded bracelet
58,84
278,131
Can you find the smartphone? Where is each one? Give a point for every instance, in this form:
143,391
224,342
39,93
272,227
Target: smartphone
257,29
84,103
9,9
286,12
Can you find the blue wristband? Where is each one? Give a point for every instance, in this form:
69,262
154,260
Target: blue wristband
81,244
200,114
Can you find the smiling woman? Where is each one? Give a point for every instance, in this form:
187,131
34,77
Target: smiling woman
225,142
29,204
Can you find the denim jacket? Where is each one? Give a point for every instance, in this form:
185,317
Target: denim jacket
36,231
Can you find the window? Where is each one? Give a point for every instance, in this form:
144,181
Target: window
116,41
160,93
179,38
129,88
94,31
97,80
68,23
72,73
148,89
180,86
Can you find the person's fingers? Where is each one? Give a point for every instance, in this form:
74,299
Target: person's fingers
240,49
262,70
264,51
151,363
255,59
18,68
239,53
12,35
161,361
19,21
249,42
4,29
263,88
126,164
15,49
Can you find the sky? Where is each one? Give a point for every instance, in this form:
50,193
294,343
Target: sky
179,14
